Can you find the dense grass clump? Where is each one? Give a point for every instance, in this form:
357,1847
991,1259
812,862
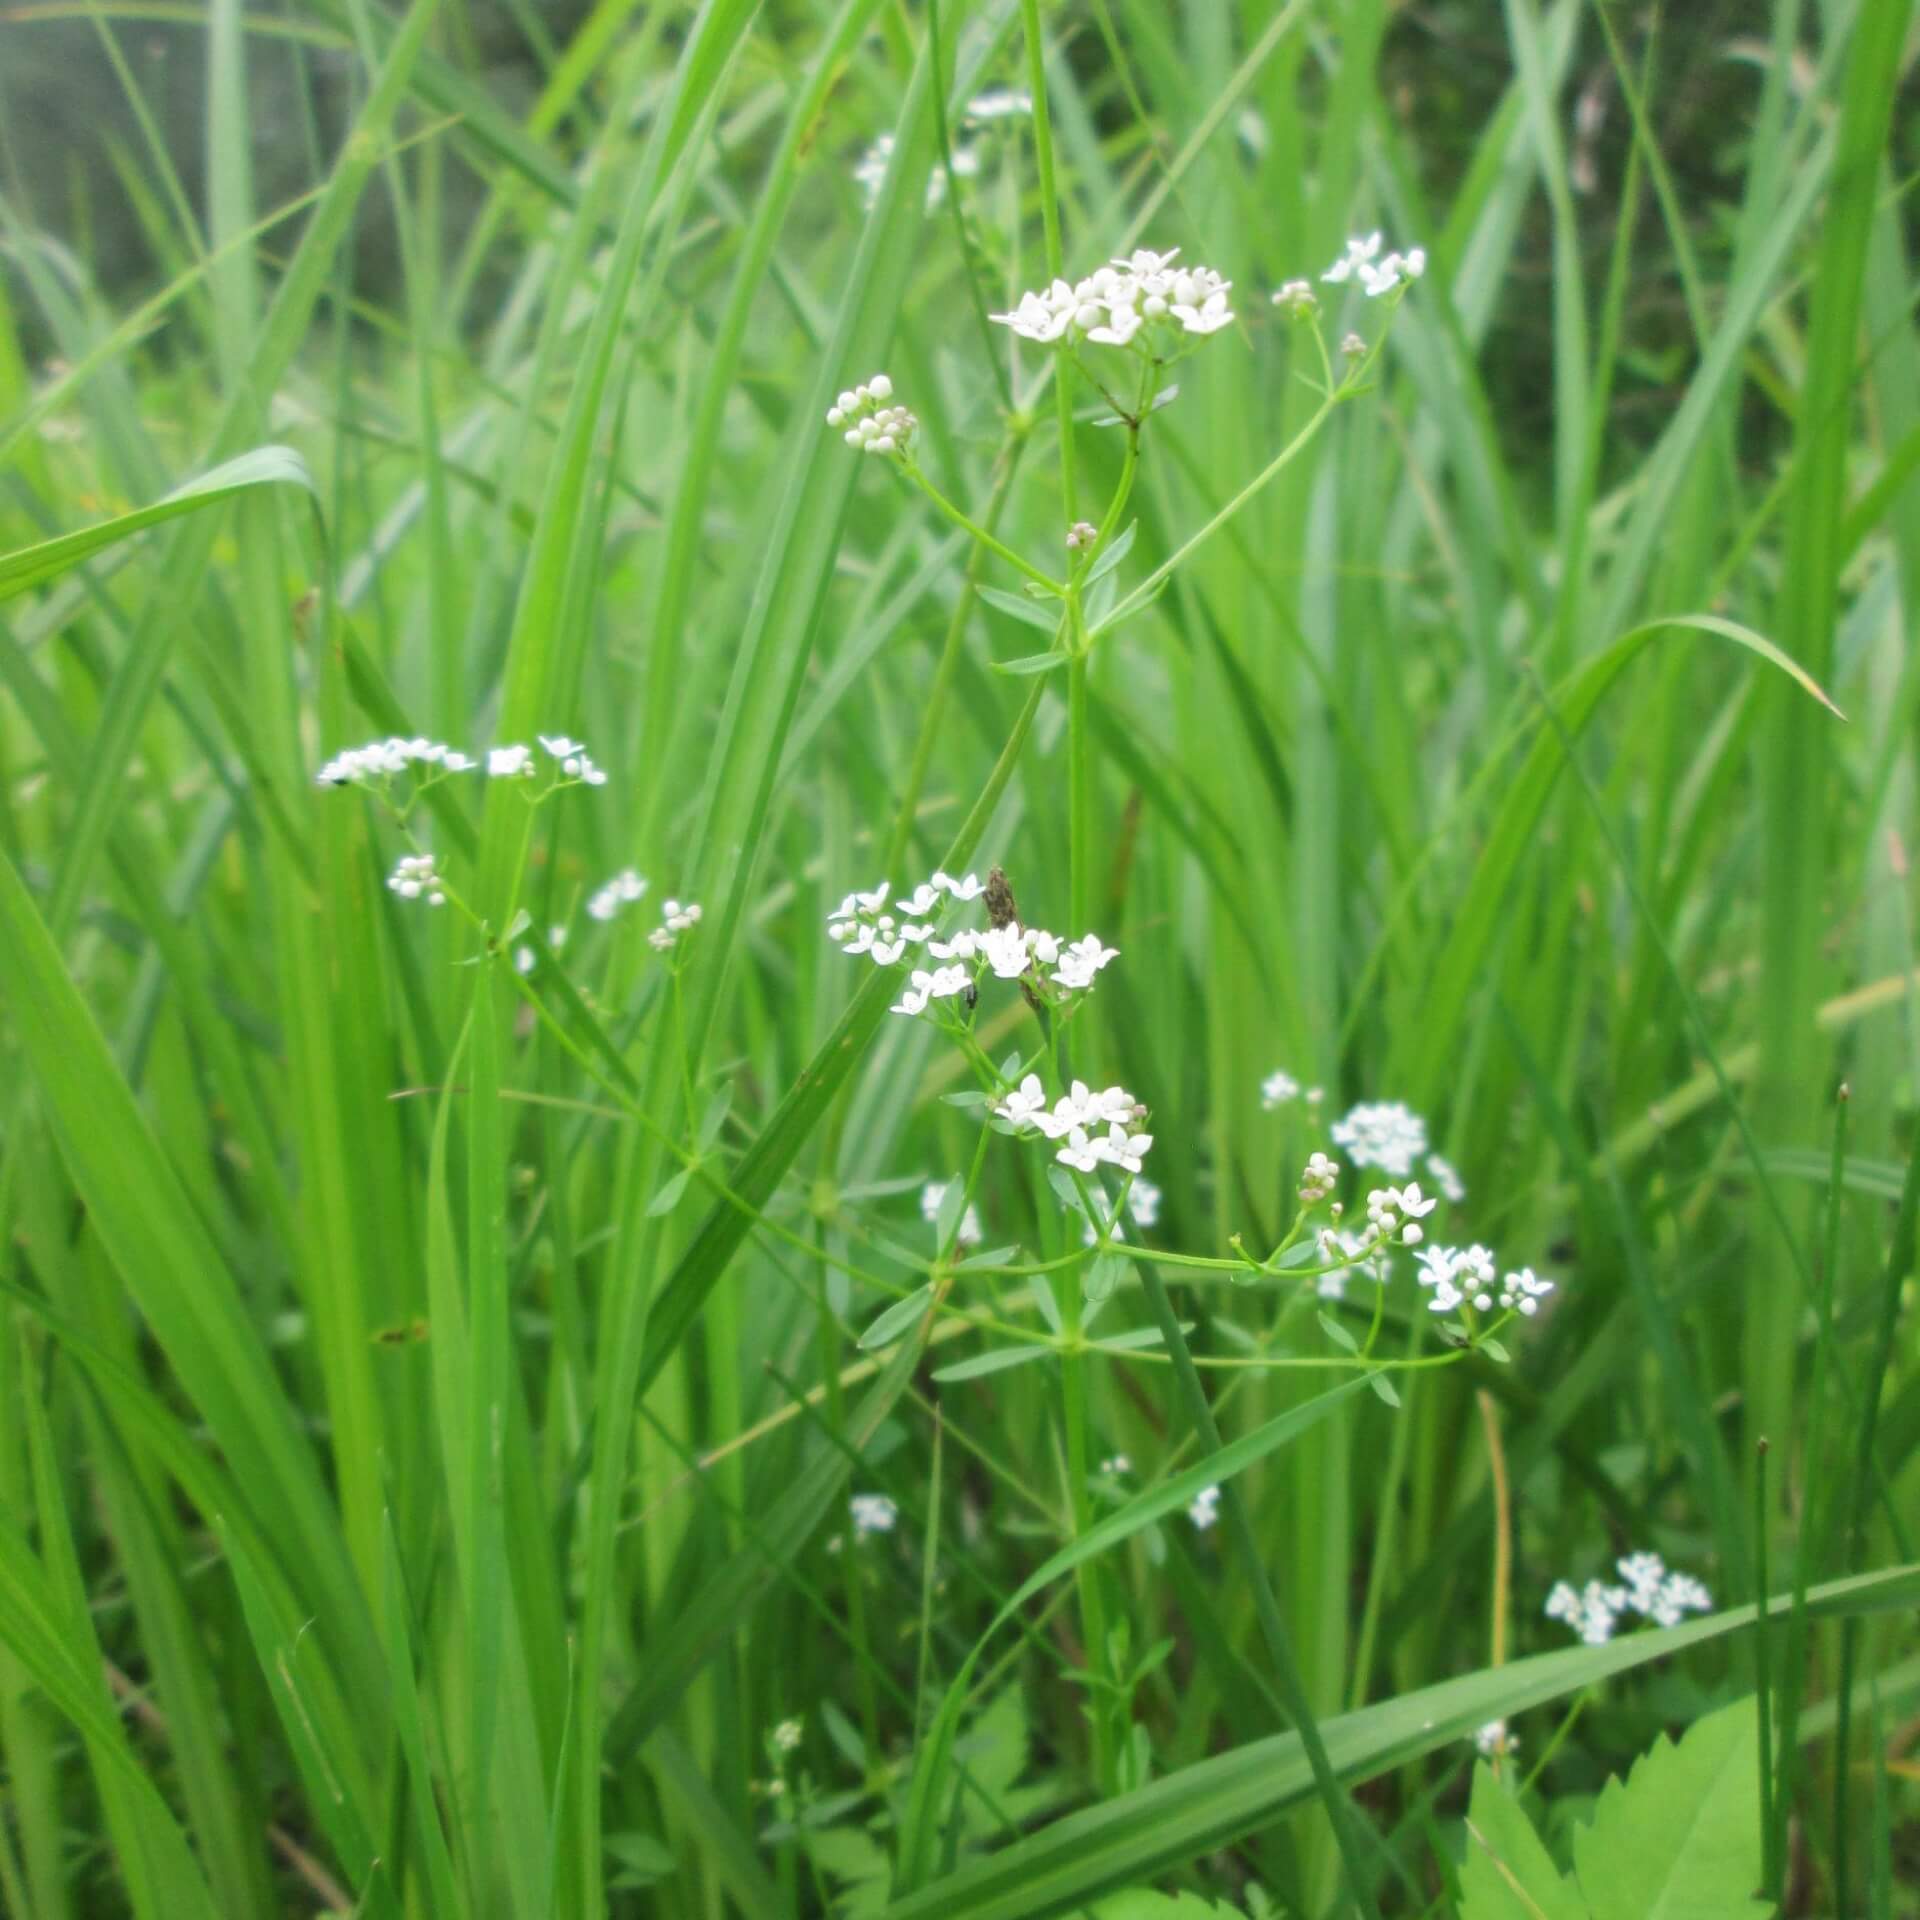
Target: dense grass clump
958,962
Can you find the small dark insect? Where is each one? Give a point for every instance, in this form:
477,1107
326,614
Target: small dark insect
973,996
1001,908
401,1336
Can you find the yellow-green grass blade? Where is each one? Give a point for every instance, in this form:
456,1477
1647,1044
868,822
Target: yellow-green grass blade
171,1268
264,466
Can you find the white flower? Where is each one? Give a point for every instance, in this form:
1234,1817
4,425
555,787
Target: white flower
575,762
1205,1509
509,763
1296,296
622,890
1116,1463
1591,1612
1277,1089
1082,960
1080,1151
969,888
416,878
1411,1203
1143,1202
1495,1742
1457,1274
1121,1148
872,1513
1383,1134
1317,1179
1041,316
1025,1104
1005,950
1123,322
1661,1596
963,946
942,984
1452,1188
1209,315
786,1736
1679,1593
1524,1291
560,746
1376,276
1359,253
999,103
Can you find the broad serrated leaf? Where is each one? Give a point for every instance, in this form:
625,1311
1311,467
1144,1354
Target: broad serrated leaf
1679,1839
1507,1873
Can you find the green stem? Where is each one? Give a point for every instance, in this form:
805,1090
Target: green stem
943,673
980,533
1287,454
1079,888
1288,1683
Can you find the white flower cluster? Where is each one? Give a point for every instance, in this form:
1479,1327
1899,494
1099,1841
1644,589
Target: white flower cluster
416,878
785,1738
380,760
1362,261
1495,1742
1205,1508
1296,296
1393,1220
861,924
1648,1588
932,1194
676,917
575,762
1280,1089
1382,1133
377,763
998,103
872,1513
1144,301
870,425
1318,1179
1077,1118
621,891
1469,1276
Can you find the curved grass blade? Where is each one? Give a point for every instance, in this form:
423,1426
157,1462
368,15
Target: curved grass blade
263,467
1218,1801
